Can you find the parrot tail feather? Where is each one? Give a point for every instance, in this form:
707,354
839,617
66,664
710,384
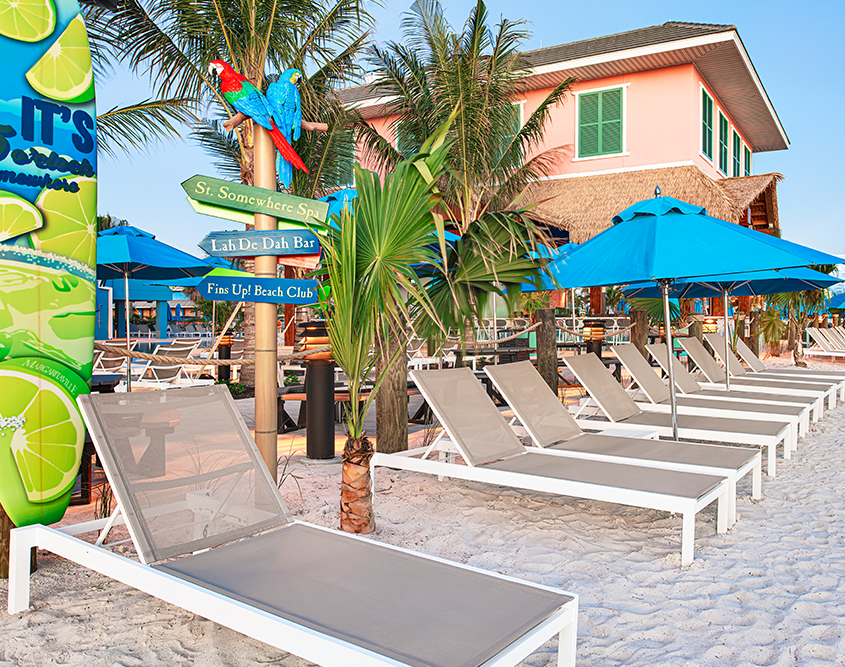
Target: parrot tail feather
285,149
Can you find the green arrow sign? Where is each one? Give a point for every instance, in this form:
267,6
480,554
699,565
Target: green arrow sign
255,200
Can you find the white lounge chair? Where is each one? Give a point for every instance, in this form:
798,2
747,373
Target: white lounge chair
715,375
825,346
617,406
737,370
757,366
193,486
551,426
656,395
493,455
689,386
162,375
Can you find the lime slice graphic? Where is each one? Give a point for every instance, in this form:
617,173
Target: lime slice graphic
17,216
70,222
27,20
41,425
46,309
64,72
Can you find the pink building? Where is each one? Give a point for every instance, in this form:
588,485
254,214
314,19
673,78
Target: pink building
678,106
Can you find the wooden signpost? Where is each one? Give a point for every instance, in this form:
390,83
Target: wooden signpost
259,290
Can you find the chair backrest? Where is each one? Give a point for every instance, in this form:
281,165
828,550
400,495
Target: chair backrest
717,342
833,339
642,372
697,352
683,378
185,471
603,387
749,357
837,334
533,402
470,418
161,371
820,340
112,362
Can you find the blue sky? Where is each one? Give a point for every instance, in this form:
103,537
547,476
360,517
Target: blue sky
797,49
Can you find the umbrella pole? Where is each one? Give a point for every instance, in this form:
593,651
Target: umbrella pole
667,322
572,310
727,343
128,343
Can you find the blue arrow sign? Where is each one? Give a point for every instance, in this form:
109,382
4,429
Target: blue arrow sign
252,243
259,290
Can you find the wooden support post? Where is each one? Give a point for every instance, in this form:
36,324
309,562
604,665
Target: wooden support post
547,347
290,314
596,301
639,334
266,416
6,526
392,400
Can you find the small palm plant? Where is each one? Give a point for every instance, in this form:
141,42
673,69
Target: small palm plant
368,260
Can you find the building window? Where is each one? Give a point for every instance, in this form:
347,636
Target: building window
706,124
746,155
723,144
600,123
737,154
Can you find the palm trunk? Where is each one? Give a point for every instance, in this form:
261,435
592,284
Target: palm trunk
356,492
790,344
798,351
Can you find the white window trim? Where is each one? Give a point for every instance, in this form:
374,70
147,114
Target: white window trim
577,95
521,104
718,151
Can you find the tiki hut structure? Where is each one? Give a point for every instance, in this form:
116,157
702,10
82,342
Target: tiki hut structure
583,206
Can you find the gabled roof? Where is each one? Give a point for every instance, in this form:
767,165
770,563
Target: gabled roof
585,205
622,41
716,50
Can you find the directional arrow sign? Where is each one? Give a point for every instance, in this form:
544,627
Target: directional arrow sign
255,200
253,243
259,290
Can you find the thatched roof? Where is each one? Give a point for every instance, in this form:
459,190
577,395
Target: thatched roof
585,205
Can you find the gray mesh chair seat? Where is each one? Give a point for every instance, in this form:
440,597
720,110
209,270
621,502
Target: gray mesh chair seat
690,386
757,366
214,536
415,610
717,342
551,426
716,375
619,407
494,455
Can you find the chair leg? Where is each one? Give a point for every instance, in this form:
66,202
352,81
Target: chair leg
566,645
688,537
772,450
20,547
757,481
731,501
722,509
789,444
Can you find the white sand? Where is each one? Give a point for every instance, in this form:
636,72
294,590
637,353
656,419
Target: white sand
770,592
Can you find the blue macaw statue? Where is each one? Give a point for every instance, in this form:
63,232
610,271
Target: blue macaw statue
283,96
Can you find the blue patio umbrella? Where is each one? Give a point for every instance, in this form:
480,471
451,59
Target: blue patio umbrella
126,251
837,301
752,283
663,239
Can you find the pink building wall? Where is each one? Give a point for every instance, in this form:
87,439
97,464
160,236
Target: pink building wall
661,122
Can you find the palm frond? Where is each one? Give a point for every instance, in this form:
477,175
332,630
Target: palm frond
131,127
220,145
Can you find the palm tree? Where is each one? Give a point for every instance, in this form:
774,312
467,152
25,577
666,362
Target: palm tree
480,70
172,42
368,260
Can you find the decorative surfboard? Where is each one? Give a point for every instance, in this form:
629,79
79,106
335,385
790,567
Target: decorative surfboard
48,252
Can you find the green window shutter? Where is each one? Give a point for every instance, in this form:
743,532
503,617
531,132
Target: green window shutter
737,153
588,130
723,144
706,124
600,123
747,157
611,122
